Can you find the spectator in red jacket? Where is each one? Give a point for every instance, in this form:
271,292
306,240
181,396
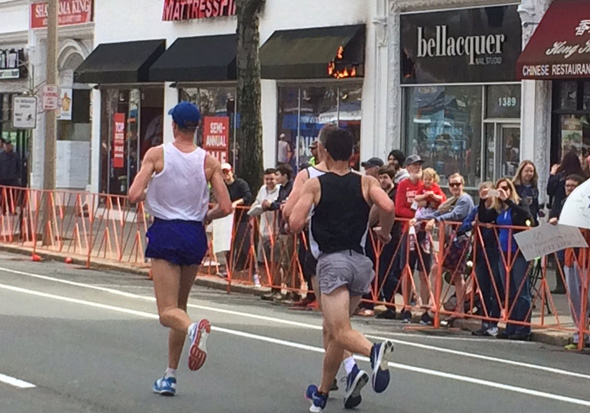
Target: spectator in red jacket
405,207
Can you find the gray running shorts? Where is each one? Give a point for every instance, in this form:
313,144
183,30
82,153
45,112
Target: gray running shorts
345,268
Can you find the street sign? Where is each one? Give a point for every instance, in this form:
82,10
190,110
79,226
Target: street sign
24,112
50,97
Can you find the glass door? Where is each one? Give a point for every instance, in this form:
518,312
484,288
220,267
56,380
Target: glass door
509,138
502,150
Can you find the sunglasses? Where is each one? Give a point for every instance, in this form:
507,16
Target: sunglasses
455,184
504,188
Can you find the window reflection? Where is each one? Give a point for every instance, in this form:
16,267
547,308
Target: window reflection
303,111
443,126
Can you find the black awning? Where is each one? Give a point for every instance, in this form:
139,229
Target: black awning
315,53
202,58
126,62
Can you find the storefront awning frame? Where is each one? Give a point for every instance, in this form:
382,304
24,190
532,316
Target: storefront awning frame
307,53
122,62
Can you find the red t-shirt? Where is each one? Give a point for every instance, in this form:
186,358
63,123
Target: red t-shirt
404,198
437,191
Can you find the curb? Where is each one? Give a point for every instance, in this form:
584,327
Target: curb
216,283
554,338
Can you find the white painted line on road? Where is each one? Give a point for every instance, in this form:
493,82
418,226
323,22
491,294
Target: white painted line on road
21,384
315,327
306,347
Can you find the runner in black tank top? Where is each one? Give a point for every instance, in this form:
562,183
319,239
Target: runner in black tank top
342,202
309,262
340,219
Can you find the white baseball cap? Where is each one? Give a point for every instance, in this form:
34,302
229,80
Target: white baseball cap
226,167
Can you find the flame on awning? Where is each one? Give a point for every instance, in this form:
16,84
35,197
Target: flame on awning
339,68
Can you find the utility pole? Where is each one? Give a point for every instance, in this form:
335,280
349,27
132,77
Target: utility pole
50,120
51,79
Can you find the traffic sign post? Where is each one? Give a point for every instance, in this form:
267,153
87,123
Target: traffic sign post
24,112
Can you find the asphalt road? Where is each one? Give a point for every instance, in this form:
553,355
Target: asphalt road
75,340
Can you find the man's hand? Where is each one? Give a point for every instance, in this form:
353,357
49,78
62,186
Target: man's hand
266,204
430,225
553,221
384,237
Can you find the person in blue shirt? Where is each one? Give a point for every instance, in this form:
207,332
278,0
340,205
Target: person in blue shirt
509,211
526,183
486,265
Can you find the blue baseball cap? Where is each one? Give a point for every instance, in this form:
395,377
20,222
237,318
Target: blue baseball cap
185,115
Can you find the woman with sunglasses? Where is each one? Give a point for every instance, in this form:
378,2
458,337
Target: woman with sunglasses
509,211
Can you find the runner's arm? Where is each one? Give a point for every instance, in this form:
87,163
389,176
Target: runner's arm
306,201
300,180
144,176
223,206
379,198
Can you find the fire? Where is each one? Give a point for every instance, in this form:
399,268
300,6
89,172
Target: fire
340,69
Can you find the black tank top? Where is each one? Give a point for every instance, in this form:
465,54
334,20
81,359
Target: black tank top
340,220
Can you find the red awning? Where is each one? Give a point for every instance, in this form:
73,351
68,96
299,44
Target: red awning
560,47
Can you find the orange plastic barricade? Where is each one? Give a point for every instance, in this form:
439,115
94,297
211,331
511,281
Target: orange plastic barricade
442,273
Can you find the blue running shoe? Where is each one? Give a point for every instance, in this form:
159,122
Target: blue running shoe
355,381
166,386
318,401
380,354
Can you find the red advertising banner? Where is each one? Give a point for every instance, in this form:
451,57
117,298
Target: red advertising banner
119,140
216,137
197,9
69,12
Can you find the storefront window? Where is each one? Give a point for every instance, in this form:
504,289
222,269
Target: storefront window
139,112
303,111
571,120
18,137
217,102
73,121
443,126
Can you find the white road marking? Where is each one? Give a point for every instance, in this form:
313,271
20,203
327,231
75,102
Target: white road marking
306,347
21,384
313,327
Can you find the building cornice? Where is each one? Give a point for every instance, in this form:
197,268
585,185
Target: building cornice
14,3
402,6
21,36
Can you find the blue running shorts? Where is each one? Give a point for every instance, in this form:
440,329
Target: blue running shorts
179,242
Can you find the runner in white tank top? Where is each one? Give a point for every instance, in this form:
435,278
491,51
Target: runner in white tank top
354,375
176,176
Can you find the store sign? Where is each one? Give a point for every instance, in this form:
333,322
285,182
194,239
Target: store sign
216,137
175,10
11,63
69,12
119,140
24,112
467,45
50,97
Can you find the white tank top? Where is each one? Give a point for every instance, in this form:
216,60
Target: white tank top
313,245
180,191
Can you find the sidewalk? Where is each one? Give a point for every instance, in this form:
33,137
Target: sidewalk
540,334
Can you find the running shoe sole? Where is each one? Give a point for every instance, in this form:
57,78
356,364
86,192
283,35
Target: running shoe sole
167,393
198,350
381,368
353,397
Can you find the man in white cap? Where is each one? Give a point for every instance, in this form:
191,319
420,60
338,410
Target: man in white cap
176,175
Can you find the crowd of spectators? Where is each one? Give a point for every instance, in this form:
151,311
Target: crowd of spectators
410,263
